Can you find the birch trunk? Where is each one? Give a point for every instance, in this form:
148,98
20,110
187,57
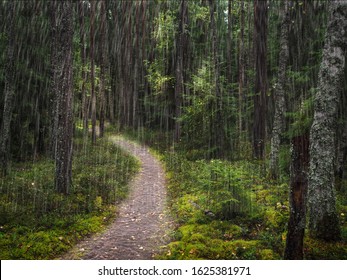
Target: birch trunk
323,219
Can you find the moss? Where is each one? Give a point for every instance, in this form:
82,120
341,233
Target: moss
245,249
316,249
267,254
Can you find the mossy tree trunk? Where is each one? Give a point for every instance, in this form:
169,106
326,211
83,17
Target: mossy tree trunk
278,124
323,219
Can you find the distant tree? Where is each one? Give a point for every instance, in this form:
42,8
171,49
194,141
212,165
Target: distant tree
181,41
63,151
103,67
9,91
323,219
217,122
83,42
261,80
92,70
241,66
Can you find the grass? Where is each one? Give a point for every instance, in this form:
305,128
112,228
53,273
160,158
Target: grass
38,223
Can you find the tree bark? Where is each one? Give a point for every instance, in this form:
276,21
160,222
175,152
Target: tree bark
323,219
179,85
63,155
92,70
9,90
84,97
259,117
241,68
297,197
229,42
278,125
217,121
102,68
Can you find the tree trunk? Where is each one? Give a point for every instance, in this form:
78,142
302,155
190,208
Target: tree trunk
102,68
323,219
84,97
259,117
92,70
241,68
63,157
229,43
297,198
53,87
217,121
278,125
179,85
9,90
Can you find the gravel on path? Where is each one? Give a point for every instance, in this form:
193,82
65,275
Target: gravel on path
142,224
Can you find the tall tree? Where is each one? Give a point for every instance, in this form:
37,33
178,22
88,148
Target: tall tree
260,87
241,66
84,97
9,89
92,70
278,125
180,57
63,153
217,121
103,67
323,219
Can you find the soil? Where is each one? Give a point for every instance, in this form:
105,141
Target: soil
142,224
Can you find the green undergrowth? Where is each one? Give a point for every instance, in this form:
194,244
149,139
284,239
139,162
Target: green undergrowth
230,210
224,210
38,223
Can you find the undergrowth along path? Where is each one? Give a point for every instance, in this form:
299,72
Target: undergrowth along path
142,224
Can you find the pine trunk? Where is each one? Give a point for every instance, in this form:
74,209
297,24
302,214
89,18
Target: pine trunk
8,92
217,137
63,156
102,68
179,86
323,219
84,101
92,70
259,117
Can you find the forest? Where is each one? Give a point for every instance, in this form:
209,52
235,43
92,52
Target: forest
243,103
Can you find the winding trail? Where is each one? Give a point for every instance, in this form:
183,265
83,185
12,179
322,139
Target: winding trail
142,224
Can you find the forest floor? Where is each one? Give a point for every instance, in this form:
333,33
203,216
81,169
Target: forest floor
142,224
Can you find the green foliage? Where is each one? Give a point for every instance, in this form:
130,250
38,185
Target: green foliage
38,223
215,186
249,218
302,119
165,30
156,77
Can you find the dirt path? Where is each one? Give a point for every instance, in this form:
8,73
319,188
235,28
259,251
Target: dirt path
142,224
